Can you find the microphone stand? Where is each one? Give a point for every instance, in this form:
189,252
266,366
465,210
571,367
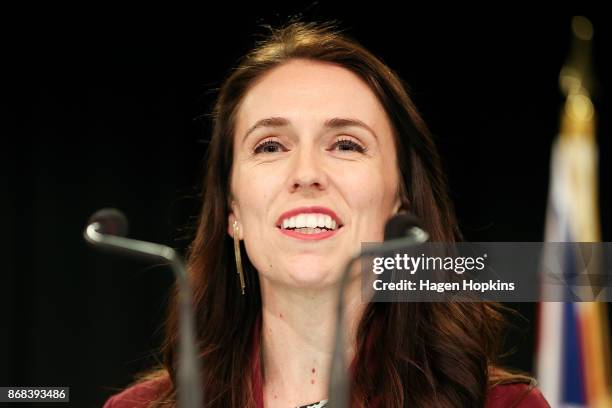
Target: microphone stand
339,382
190,393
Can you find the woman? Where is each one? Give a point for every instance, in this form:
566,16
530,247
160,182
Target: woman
315,145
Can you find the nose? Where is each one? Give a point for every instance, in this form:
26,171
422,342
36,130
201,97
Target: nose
308,171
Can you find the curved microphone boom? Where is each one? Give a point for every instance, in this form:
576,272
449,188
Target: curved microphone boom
107,229
402,231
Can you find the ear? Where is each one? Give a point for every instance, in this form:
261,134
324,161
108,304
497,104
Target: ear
401,206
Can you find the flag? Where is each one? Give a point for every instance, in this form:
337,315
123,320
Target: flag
573,348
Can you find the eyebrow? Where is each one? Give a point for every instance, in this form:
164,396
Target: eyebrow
333,123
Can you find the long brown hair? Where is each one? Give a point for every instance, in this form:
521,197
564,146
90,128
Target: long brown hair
426,354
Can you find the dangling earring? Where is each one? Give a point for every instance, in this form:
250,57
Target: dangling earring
237,255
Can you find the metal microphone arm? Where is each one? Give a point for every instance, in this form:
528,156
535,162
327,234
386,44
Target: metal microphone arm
339,383
190,393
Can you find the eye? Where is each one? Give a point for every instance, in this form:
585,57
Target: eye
268,146
348,145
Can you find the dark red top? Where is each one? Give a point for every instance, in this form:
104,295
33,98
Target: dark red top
501,396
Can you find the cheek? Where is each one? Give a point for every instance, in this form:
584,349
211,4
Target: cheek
253,187
367,187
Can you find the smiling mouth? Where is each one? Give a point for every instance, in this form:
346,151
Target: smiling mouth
310,233
310,223
309,230
310,226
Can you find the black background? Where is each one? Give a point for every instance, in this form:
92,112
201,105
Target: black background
108,108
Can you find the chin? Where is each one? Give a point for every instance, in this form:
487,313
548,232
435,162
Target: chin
314,271
311,273
311,280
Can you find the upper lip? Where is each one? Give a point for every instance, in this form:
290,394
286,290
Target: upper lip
309,210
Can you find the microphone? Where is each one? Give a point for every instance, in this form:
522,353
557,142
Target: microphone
401,231
111,221
402,226
106,229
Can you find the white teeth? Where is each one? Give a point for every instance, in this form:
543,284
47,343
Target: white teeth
309,231
309,221
328,222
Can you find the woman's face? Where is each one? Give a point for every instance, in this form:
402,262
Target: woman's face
312,146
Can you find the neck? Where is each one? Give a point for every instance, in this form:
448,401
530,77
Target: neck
298,328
